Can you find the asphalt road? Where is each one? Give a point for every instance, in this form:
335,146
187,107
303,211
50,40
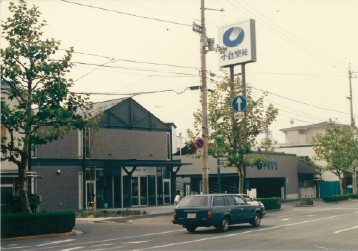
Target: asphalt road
321,227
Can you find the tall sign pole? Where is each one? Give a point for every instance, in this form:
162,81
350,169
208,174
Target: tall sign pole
204,102
238,47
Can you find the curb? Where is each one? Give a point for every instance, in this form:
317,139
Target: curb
32,237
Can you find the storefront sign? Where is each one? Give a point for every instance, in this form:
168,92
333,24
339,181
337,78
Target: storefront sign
270,165
239,43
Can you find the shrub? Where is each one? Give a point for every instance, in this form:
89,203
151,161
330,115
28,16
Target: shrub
306,202
335,198
106,213
27,224
353,196
34,201
271,203
15,204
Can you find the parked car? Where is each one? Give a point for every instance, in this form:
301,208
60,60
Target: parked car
251,201
217,210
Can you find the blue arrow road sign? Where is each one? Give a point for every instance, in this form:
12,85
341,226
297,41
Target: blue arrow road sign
239,103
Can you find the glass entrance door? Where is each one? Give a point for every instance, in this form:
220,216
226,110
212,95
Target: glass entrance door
140,191
90,194
143,190
166,191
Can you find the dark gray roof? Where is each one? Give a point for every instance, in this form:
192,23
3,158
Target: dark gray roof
99,107
105,105
305,169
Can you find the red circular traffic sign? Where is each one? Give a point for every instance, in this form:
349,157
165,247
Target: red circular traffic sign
199,143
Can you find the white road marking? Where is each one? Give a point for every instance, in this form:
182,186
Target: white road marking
137,242
113,239
322,247
285,219
12,248
343,230
55,242
108,244
186,242
69,249
237,234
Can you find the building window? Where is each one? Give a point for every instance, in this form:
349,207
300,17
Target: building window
168,146
301,131
34,152
84,141
80,144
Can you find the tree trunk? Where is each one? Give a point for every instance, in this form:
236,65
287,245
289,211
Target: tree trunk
24,199
341,186
241,179
341,178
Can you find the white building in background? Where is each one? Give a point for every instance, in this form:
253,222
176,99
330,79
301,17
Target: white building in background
298,141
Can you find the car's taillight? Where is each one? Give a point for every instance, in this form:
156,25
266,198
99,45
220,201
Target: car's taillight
175,214
210,214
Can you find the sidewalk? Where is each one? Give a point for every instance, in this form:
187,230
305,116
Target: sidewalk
151,212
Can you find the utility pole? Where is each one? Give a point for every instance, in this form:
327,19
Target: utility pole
204,42
354,173
204,102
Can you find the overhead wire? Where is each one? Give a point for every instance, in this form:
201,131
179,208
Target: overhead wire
294,41
136,61
294,100
129,68
127,14
306,45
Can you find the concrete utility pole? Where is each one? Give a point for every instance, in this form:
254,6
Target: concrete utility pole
354,173
204,102
204,42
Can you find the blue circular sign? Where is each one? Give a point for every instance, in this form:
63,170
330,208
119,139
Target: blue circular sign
239,103
233,36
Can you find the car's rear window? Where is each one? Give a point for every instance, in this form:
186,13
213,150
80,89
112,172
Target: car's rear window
194,201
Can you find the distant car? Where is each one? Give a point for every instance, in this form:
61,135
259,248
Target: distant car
217,210
251,201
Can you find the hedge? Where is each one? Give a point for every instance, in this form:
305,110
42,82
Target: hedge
335,198
271,203
27,224
353,196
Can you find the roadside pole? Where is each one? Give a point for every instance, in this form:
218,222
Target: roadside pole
354,168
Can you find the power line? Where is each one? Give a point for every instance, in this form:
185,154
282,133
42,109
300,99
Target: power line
132,94
129,68
128,14
328,57
136,61
298,74
280,32
300,102
294,100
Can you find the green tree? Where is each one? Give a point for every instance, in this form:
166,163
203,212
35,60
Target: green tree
230,137
338,148
39,107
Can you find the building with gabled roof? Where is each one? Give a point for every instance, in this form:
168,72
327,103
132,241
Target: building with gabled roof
126,161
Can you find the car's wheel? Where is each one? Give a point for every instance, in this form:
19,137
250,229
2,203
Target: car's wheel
256,221
190,229
224,224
